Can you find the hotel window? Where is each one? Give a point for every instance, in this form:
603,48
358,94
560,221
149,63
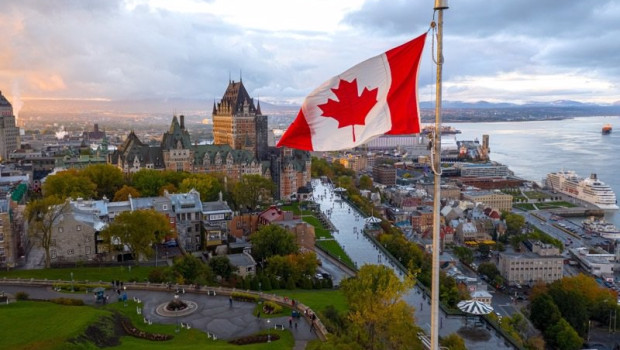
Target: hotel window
53,253
87,250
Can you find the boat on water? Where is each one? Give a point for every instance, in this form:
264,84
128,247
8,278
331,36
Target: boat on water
606,129
601,227
590,190
445,130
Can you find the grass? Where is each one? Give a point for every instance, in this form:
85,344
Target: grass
42,326
536,195
316,299
524,206
552,205
336,250
92,274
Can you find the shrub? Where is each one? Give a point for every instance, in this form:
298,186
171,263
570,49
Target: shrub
22,296
68,301
157,275
271,308
244,297
251,339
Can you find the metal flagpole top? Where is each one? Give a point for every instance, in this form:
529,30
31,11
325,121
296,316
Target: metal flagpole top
441,4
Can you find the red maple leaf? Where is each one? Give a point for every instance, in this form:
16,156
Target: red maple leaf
350,109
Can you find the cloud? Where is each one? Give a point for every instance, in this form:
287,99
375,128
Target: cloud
122,49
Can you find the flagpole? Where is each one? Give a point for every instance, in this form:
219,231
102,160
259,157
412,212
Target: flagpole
440,5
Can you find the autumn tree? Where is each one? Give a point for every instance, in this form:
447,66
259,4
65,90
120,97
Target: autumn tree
42,216
380,318
207,185
69,184
252,190
124,192
107,178
137,230
272,240
453,342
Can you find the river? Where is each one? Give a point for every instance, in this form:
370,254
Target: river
534,149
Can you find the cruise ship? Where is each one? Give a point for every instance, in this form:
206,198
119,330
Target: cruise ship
590,190
601,227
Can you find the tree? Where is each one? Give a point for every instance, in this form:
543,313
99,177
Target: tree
380,318
148,182
69,184
464,254
489,270
563,336
189,269
365,182
42,215
251,190
221,266
124,193
514,222
543,312
137,230
207,185
107,178
272,240
453,342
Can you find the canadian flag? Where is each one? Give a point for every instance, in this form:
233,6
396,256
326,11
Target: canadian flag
378,96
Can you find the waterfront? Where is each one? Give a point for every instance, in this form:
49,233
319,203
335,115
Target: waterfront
533,149
362,251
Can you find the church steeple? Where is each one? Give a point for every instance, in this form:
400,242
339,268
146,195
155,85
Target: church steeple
214,109
258,112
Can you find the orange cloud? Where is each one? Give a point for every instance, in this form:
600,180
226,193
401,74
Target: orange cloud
47,81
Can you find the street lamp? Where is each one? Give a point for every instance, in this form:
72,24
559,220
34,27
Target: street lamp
268,330
125,296
72,282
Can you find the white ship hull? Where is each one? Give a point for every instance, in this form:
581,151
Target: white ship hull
590,190
612,236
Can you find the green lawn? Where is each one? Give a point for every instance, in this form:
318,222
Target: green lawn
316,299
524,206
336,250
42,326
92,274
552,205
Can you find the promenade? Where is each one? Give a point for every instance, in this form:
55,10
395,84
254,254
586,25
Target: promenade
362,251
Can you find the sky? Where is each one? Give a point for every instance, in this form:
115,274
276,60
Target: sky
514,51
